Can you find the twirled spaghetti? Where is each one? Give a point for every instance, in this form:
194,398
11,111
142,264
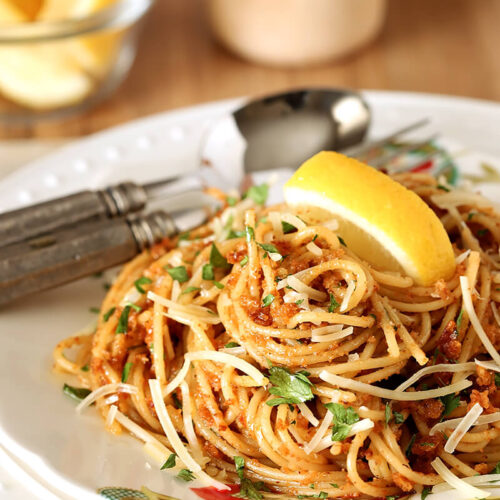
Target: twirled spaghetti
261,336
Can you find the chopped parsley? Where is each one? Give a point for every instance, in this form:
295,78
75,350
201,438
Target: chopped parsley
184,236
341,240
459,318
450,402
177,402
333,303
425,492
207,272
482,232
497,379
85,368
126,371
268,247
135,307
315,238
244,261
293,388
249,233
231,201
230,345
107,314
388,414
399,418
178,273
94,310
217,259
443,188
122,325
343,419
410,446
185,475
496,470
219,285
321,494
299,302
248,489
77,393
142,281
287,227
190,289
268,300
471,214
235,234
258,194
169,463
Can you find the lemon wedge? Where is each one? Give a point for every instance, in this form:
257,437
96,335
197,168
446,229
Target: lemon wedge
380,220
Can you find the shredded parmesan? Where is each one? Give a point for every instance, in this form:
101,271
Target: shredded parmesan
363,425
176,291
333,336
332,224
347,297
458,367
110,417
469,308
314,249
235,351
188,422
218,357
301,287
308,414
456,483
466,423
487,480
318,435
104,391
111,399
131,297
460,258
488,365
174,439
141,433
355,385
454,422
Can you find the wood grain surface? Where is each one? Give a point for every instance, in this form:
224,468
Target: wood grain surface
439,46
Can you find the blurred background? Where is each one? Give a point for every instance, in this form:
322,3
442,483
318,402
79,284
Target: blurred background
189,52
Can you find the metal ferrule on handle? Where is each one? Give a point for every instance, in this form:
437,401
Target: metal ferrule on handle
35,220
60,257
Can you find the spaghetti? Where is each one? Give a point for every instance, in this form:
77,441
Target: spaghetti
259,350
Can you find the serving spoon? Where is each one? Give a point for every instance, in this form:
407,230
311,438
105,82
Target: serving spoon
280,130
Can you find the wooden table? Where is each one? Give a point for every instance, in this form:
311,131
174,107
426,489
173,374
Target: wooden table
441,46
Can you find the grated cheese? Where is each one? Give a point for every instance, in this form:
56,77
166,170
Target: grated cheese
104,391
453,422
131,297
355,385
188,422
443,367
319,434
174,439
235,351
314,249
333,336
347,297
110,417
469,308
466,423
308,414
487,480
460,258
488,365
455,482
363,425
332,224
141,433
301,287
293,297
112,399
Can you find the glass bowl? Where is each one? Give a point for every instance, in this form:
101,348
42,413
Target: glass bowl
49,69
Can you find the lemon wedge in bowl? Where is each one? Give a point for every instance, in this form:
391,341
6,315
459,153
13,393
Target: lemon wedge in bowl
380,220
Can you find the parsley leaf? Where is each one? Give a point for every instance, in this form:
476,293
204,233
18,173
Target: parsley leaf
387,413
496,470
244,261
94,310
184,236
459,318
443,188
450,402
287,227
185,475
122,325
258,194
482,232
426,491
107,314
177,402
235,234
231,201
410,446
207,272
170,462
229,345
249,233
321,494
333,304
497,379
293,388
77,393
341,240
343,418
190,289
399,418
142,281
217,259
268,247
299,302
85,368
268,300
178,273
126,371
219,285
248,489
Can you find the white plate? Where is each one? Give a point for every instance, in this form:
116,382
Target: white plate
43,444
